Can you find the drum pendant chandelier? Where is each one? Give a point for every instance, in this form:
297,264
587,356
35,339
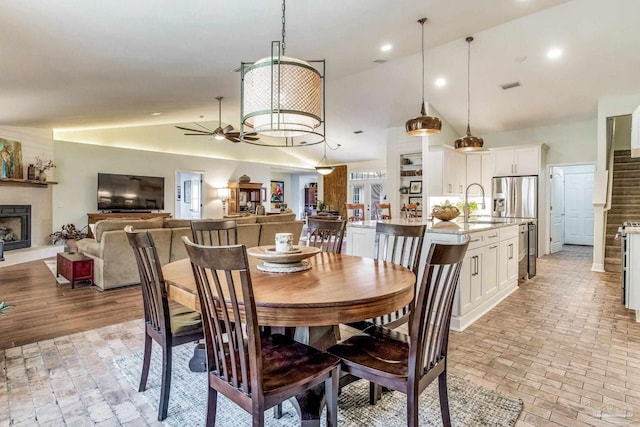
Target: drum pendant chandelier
283,97
469,142
423,125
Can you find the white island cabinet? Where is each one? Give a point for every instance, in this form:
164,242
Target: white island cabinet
489,271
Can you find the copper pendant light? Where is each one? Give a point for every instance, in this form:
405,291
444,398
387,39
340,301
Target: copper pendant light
469,142
423,124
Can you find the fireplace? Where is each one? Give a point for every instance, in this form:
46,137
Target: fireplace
15,226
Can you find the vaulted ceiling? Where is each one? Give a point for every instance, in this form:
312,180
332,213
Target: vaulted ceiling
74,64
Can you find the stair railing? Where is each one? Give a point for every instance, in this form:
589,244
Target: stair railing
610,160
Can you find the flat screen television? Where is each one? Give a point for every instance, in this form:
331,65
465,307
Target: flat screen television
130,192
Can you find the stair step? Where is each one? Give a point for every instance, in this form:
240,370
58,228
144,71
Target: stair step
625,190
612,268
626,153
617,173
625,166
612,260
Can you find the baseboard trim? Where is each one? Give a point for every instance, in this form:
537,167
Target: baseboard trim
598,268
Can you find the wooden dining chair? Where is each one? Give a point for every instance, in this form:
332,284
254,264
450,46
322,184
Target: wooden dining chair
326,235
169,328
409,363
383,210
254,372
355,211
214,232
411,210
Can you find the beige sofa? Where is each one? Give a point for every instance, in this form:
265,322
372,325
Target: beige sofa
115,266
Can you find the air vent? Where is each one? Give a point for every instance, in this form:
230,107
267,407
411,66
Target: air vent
357,132
510,85
380,61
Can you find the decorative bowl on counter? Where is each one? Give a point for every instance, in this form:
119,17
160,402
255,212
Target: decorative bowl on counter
445,212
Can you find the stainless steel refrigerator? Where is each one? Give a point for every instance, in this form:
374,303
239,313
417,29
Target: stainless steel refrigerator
517,197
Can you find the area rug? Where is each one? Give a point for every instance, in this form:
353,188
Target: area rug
470,404
51,265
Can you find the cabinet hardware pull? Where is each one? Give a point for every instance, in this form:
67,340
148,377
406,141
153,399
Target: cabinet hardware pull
493,235
475,240
493,247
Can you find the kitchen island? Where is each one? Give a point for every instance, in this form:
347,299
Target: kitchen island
490,268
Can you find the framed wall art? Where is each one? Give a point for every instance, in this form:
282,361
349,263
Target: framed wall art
415,187
10,159
277,191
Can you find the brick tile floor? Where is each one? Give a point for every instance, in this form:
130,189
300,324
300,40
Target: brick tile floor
562,342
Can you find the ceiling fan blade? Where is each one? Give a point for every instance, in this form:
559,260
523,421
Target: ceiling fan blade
251,134
200,134
227,129
192,130
233,139
203,127
218,130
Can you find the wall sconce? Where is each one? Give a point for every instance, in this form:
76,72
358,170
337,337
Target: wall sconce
223,194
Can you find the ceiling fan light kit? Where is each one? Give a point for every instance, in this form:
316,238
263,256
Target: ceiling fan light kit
283,97
219,133
423,125
469,142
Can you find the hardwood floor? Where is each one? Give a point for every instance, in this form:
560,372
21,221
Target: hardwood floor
43,309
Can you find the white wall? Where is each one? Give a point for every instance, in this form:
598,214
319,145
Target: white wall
571,142
78,165
622,134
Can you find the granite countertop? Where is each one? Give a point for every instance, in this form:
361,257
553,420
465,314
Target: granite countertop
632,230
457,226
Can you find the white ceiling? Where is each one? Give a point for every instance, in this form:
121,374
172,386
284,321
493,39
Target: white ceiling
73,64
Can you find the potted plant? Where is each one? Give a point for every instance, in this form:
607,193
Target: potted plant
42,166
471,206
68,233
3,308
404,189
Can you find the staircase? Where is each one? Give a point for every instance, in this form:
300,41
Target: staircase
625,204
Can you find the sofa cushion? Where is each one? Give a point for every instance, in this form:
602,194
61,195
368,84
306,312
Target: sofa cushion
90,247
120,224
241,219
175,223
286,217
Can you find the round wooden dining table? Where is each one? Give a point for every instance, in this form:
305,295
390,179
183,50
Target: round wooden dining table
337,289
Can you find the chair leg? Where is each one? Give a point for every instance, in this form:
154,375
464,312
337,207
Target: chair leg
277,411
331,397
165,388
258,418
412,409
444,399
375,393
146,360
211,407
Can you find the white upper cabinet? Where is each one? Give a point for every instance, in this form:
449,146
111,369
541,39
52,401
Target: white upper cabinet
447,171
517,161
480,170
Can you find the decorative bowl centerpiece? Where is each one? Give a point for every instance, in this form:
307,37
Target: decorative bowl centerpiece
283,262
445,212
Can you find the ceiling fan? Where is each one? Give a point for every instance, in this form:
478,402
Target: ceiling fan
220,133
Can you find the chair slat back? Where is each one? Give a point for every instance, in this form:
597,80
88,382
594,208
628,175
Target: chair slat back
400,244
383,210
214,232
355,211
224,270
326,235
431,315
154,294
412,210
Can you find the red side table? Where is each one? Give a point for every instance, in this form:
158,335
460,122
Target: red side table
74,267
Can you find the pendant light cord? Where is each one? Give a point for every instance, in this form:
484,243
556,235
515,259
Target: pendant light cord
469,40
422,21
283,25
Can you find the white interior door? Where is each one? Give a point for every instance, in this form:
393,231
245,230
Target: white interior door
557,210
188,195
578,189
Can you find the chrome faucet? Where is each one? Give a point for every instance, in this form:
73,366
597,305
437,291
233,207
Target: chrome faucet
466,200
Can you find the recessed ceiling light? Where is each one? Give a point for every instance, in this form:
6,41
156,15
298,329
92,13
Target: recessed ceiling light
386,47
554,53
440,82
155,114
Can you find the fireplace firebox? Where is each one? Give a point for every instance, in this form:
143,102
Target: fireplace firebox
15,226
